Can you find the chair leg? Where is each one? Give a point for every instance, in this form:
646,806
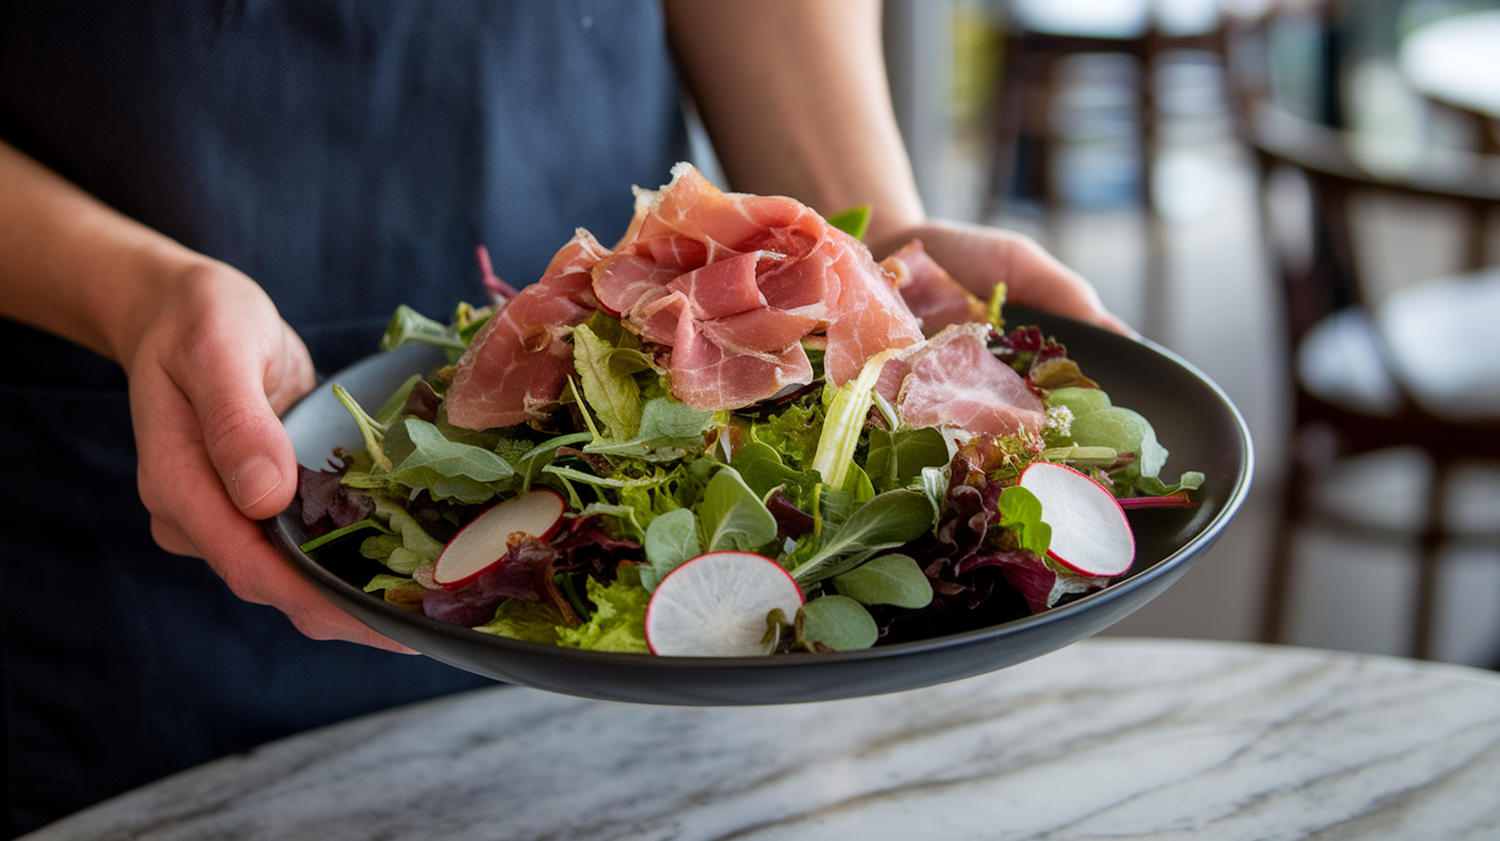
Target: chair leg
1007,126
1429,544
1275,601
1044,161
1155,302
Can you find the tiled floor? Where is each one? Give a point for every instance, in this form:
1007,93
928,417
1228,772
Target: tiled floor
1221,317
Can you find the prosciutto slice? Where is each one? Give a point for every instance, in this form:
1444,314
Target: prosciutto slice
932,295
733,283
516,366
728,285
953,380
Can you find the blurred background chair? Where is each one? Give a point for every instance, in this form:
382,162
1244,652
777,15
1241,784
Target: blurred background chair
1407,364
1453,63
1031,123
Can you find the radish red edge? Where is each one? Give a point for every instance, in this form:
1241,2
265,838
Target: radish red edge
1090,533
690,605
538,513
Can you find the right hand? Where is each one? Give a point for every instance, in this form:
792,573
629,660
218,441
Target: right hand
210,367
210,364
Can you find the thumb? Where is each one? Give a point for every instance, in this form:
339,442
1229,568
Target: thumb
250,450
243,436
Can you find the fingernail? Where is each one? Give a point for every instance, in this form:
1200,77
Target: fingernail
253,481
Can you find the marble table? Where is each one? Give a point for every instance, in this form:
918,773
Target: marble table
1110,738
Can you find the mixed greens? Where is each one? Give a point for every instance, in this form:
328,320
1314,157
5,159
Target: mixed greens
892,533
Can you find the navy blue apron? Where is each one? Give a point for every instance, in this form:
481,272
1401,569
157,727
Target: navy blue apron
349,156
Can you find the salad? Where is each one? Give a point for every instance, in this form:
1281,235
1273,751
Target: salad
639,454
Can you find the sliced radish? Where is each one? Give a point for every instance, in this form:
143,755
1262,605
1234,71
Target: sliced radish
1090,533
716,605
486,539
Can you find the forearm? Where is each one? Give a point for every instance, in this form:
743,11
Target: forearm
75,267
795,98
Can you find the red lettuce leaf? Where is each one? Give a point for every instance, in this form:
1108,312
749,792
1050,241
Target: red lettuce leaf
328,505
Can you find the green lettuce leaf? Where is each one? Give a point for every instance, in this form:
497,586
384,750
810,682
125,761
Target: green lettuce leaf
733,516
519,619
893,579
618,622
1021,512
671,540
836,622
855,221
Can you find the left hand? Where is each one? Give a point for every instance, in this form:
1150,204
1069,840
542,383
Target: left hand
979,256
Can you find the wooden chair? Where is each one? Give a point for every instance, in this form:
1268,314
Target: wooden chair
1450,62
1327,302
1039,36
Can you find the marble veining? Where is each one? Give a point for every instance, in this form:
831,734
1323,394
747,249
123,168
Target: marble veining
1109,738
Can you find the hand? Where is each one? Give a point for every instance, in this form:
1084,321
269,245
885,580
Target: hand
211,369
979,256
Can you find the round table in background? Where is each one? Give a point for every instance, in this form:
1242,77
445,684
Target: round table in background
1456,60
1109,738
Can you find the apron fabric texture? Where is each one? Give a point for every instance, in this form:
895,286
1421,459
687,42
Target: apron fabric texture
349,156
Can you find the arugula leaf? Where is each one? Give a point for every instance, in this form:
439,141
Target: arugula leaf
448,469
667,429
372,430
1154,486
406,547
407,326
312,545
397,401
607,376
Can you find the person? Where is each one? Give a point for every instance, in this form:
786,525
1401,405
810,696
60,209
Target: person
205,206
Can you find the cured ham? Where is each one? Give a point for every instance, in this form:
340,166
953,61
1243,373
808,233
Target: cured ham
729,287
733,283
932,295
516,366
954,380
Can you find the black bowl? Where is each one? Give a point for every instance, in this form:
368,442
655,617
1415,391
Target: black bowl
1192,417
